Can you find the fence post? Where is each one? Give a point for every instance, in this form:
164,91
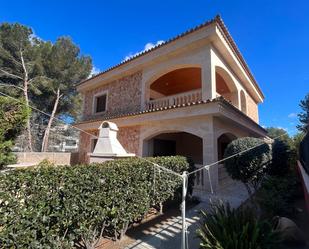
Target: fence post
183,210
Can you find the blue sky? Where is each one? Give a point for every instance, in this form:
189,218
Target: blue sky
272,35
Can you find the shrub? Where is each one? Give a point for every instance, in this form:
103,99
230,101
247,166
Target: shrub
13,118
51,207
227,228
280,163
248,167
277,194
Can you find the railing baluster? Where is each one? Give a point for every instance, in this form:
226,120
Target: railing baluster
177,99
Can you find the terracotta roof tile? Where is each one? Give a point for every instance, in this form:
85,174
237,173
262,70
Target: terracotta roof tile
223,29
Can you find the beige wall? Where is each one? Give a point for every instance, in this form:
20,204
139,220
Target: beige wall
58,158
123,96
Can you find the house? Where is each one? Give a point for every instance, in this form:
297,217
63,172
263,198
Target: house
189,96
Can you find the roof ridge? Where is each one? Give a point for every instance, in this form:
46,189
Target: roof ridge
226,34
204,24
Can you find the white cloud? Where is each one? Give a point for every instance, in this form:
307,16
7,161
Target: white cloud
282,128
292,115
147,47
94,71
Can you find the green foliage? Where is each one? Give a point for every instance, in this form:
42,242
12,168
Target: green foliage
17,39
277,194
64,67
227,228
274,132
304,115
248,167
46,73
49,206
280,163
13,117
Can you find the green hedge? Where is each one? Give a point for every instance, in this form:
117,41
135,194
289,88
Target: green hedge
63,206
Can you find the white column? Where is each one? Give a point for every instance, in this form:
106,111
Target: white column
208,76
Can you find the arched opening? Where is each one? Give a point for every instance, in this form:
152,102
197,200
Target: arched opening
243,102
225,86
177,81
175,143
223,141
176,87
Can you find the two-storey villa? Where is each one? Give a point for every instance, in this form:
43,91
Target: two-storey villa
189,96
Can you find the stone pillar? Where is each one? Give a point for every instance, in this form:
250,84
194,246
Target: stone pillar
210,153
208,76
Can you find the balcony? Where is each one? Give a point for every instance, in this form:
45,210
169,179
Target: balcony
175,100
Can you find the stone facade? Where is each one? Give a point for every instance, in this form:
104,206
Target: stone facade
129,138
123,96
85,145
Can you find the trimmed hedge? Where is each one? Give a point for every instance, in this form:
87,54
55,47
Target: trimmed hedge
248,167
67,206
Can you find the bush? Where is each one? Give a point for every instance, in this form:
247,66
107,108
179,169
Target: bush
52,207
227,228
248,167
280,164
277,194
13,116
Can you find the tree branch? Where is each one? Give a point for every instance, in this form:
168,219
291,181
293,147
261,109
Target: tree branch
11,85
9,56
38,77
10,74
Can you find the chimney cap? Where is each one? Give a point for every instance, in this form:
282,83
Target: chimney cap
108,125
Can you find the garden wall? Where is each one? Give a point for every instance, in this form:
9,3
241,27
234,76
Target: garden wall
305,183
58,158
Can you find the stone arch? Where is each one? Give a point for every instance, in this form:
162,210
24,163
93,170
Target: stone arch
222,142
243,102
154,132
225,85
174,142
188,73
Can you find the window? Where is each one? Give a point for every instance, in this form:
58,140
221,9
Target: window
100,103
93,144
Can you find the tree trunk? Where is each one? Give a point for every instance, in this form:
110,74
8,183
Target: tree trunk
28,126
50,121
27,101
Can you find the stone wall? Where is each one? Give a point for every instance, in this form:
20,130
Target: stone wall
127,136
58,158
252,109
124,96
85,145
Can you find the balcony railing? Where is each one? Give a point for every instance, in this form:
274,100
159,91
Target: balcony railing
177,99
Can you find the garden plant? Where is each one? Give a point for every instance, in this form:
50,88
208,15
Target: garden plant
74,206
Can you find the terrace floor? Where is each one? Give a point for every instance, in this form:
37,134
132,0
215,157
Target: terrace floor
164,232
